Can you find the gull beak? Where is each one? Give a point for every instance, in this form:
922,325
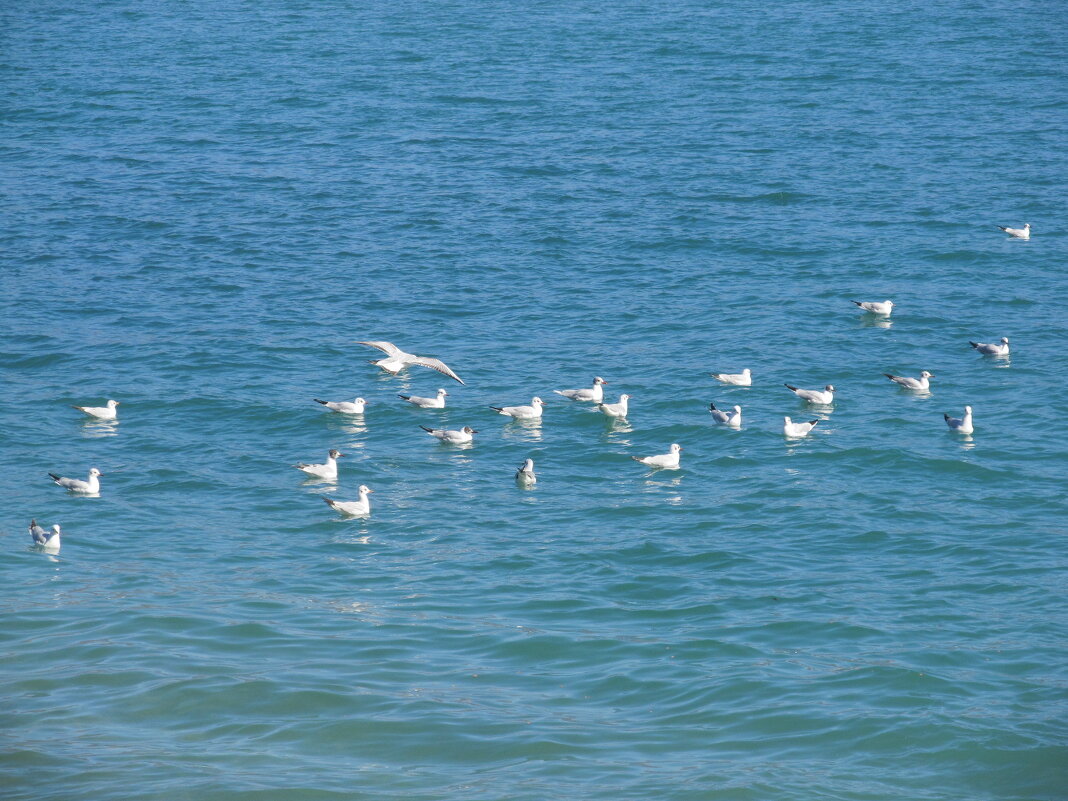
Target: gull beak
370,492
473,431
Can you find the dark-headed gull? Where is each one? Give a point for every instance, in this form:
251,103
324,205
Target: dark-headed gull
669,459
742,379
876,307
824,396
524,476
961,424
101,412
48,540
992,348
396,360
437,402
327,469
89,487
615,409
353,508
531,412
1018,233
452,437
922,383
594,393
792,429
345,407
732,418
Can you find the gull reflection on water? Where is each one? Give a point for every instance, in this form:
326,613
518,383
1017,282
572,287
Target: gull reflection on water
872,321
100,428
523,430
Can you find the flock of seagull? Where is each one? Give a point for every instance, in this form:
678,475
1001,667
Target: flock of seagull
396,360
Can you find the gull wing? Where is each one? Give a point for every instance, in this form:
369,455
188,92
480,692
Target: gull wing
434,364
386,347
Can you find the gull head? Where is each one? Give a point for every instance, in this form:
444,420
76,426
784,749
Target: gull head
360,400
738,409
442,393
1004,340
528,466
335,454
365,490
598,380
468,430
624,397
829,388
536,401
787,420
112,404
55,529
967,409
745,371
676,448
889,302
94,472
926,374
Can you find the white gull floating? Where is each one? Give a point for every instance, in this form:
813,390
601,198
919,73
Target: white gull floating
923,383
961,424
992,348
42,538
452,437
669,459
88,487
824,396
101,412
733,418
792,429
345,407
1018,233
876,307
327,469
524,476
531,412
437,402
594,393
358,508
742,379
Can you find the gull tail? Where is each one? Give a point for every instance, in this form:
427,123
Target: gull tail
973,344
54,477
945,416
1003,228
891,377
404,397
712,407
427,430
330,503
560,392
856,302
636,458
319,401
497,409
791,388
813,422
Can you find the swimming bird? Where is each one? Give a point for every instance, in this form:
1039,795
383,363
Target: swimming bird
1018,233
452,437
344,407
48,540
437,402
824,396
353,508
922,383
615,409
396,360
962,425
594,393
524,476
875,307
732,419
742,379
101,412
89,487
531,412
327,469
669,459
791,429
992,348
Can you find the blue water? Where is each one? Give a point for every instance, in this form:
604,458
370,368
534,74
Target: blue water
205,205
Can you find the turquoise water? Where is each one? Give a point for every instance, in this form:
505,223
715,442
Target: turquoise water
205,205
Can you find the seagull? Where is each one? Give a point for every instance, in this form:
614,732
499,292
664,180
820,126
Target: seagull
396,360
1018,233
461,437
594,393
101,412
437,402
531,412
962,425
524,476
670,459
89,487
790,429
353,508
48,540
992,348
345,407
742,379
921,383
615,409
732,419
327,469
875,307
813,395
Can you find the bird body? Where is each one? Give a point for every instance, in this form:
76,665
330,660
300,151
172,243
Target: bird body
742,379
524,476
961,425
992,348
669,460
91,486
615,409
101,412
732,419
396,360
875,307
792,429
359,508
345,407
594,393
44,539
327,469
922,383
822,396
437,402
1018,233
452,437
531,412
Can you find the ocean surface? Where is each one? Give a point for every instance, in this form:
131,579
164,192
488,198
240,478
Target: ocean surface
204,205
